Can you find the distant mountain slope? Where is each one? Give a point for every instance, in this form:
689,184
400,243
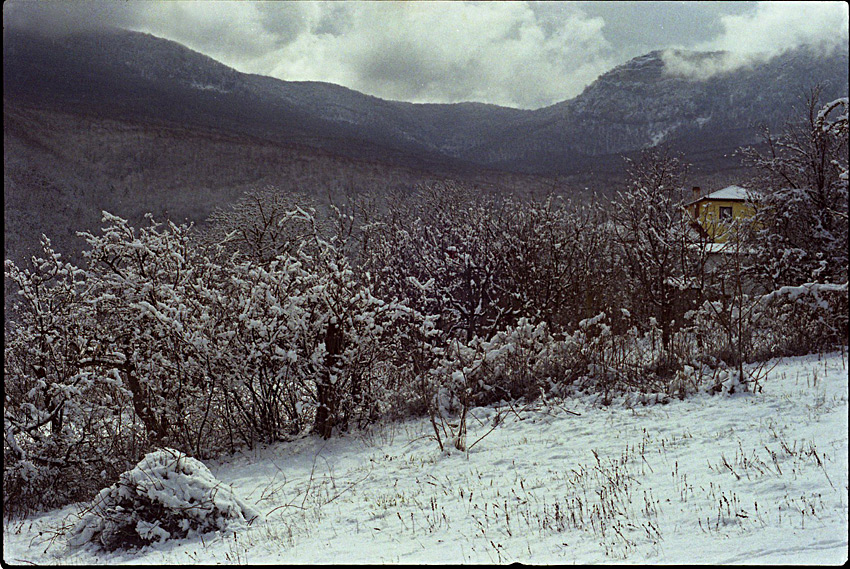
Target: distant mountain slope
125,74
640,104
134,123
128,75
61,168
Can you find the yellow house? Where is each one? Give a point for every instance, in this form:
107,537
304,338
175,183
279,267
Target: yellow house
715,212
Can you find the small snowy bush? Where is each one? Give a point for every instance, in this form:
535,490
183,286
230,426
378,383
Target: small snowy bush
514,363
167,495
803,319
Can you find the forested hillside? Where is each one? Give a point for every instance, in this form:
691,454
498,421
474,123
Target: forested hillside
132,123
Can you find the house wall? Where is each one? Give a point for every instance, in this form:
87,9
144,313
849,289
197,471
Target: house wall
707,213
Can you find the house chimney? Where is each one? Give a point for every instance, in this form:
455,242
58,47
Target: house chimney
697,192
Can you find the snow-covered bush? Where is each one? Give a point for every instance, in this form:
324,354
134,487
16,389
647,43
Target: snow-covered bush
359,334
812,317
516,363
480,264
440,251
310,345
563,264
155,293
168,495
308,342
602,360
520,362
605,356
260,225
64,416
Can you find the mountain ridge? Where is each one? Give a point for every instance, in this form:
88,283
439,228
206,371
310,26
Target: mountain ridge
632,106
135,123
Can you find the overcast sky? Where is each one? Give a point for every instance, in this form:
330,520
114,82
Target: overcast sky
519,54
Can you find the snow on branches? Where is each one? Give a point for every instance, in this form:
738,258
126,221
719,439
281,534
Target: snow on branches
168,495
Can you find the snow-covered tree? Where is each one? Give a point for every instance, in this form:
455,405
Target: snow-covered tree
561,261
315,347
359,336
66,420
800,225
662,265
259,225
153,294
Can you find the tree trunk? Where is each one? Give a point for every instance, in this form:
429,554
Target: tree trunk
142,407
326,392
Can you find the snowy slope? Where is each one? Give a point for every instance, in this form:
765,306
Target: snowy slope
748,478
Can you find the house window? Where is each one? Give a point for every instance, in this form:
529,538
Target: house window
725,213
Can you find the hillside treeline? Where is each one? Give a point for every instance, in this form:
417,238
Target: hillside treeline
282,318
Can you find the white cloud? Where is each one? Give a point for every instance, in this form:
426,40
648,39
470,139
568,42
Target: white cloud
496,52
694,65
228,31
774,27
770,29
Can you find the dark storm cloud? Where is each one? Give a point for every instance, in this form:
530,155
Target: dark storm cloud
525,54
57,18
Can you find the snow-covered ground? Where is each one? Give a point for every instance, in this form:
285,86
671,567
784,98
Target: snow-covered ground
747,478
